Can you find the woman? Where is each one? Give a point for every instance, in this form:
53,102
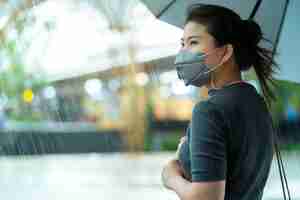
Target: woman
228,150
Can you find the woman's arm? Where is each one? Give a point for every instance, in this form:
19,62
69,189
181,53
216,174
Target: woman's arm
208,157
186,190
185,169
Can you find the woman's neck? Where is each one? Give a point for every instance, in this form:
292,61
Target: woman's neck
221,81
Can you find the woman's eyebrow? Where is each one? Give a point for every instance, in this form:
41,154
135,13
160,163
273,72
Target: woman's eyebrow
190,37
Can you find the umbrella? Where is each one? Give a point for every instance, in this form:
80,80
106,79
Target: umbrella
267,13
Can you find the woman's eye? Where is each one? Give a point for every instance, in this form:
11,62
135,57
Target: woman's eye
193,42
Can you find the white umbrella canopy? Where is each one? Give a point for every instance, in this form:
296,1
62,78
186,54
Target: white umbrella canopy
81,41
289,43
267,13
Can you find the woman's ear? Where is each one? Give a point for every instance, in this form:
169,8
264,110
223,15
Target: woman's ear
228,53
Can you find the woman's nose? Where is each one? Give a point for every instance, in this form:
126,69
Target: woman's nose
183,48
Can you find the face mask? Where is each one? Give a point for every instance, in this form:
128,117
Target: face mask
192,69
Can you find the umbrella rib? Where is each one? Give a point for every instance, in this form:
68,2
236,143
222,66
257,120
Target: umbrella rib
255,9
281,25
165,9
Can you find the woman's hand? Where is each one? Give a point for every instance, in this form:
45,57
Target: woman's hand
173,168
170,171
182,140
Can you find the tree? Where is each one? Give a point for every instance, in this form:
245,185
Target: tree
16,86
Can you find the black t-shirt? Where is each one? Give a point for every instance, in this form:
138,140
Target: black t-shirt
230,137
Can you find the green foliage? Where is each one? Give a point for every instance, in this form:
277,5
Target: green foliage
14,80
290,147
287,92
149,121
171,141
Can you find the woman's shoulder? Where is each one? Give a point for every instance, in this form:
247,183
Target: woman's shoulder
207,114
209,105
214,109
230,98
208,109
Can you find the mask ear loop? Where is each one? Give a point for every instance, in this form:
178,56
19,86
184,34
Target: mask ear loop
212,82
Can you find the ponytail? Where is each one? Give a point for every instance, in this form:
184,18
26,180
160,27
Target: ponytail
261,59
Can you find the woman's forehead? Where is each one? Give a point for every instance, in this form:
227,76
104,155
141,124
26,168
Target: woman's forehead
194,29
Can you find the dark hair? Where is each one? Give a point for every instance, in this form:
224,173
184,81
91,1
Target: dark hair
227,27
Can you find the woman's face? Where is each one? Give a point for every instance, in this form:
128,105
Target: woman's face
197,39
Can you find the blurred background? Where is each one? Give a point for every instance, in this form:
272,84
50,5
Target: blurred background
91,106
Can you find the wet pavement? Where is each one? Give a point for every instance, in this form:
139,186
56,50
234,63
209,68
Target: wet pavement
108,176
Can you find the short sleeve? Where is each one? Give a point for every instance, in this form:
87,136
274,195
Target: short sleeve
207,143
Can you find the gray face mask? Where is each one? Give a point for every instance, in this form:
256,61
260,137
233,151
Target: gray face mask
191,68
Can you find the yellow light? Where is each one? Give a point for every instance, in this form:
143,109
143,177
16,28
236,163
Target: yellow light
28,95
